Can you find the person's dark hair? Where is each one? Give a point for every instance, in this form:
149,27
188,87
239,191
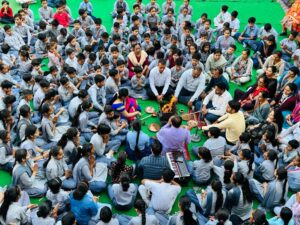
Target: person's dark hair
286,215
267,26
252,20
294,144
119,165
222,215
44,209
168,175
9,99
85,150
221,85
81,108
123,92
29,131
138,69
5,48
249,157
3,136
176,121
4,114
71,133
272,156
81,190
217,187
6,84
282,176
224,8
239,179
293,88
103,129
140,205
260,218
234,105
54,151
295,70
264,94
278,119
20,155
137,127
68,219
125,181
185,205
82,94
228,169
99,79
215,132
11,195
54,185
245,137
156,147
205,154
105,214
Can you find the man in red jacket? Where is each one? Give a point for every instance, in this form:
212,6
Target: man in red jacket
6,13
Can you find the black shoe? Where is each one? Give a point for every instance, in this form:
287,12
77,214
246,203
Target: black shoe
283,34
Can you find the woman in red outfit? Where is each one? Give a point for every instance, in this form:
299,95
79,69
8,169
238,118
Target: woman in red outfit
137,57
6,13
62,16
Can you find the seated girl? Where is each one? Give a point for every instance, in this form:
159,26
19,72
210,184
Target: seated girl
86,169
7,159
239,199
45,214
119,167
221,218
51,132
265,171
56,167
29,143
57,195
24,175
123,194
276,191
70,142
209,201
142,217
201,169
186,215
137,142
11,211
81,120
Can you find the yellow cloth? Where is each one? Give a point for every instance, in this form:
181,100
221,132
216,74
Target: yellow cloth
233,124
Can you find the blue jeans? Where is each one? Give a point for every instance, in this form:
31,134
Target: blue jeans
97,186
111,195
69,184
194,199
251,43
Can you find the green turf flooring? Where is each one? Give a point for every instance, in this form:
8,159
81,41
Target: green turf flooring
264,10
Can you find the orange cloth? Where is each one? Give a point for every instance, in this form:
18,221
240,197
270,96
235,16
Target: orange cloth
292,17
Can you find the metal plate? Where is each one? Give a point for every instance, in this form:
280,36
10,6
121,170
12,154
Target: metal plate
154,127
150,110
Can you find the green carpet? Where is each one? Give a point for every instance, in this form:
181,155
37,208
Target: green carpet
264,10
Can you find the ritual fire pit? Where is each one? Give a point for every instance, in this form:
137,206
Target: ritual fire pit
167,109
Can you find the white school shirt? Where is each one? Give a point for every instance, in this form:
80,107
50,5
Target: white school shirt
158,79
219,102
190,83
163,195
234,24
73,106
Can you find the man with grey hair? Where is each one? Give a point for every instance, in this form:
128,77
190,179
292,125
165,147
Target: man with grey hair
190,86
